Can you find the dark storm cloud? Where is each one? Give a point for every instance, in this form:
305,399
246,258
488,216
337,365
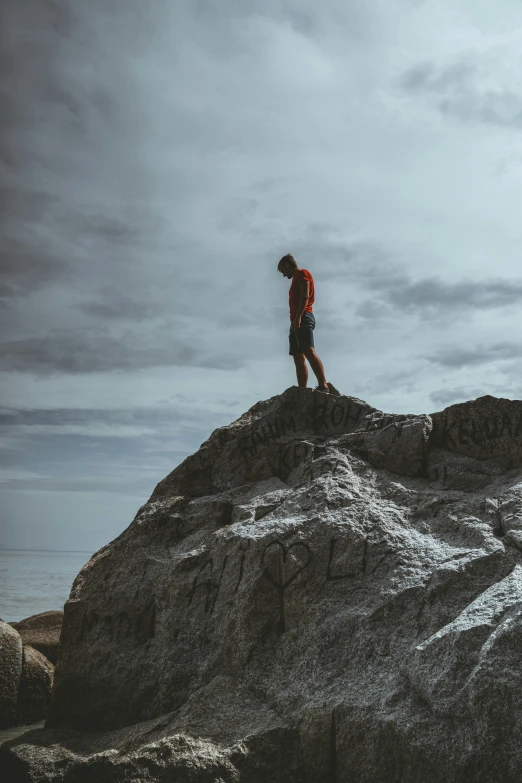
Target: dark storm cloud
132,225
111,229
138,485
145,426
433,297
57,417
25,267
88,352
18,54
456,89
15,201
11,417
59,122
435,293
370,267
427,77
114,304
82,150
479,355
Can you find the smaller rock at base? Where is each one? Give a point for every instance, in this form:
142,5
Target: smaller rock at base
35,686
42,631
10,673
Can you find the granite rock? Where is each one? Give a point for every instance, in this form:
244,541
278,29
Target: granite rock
10,673
42,632
223,734
35,686
323,593
485,428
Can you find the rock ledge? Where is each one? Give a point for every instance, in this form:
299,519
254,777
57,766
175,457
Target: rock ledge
322,593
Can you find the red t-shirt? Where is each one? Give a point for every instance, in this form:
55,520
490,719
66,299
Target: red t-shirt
301,274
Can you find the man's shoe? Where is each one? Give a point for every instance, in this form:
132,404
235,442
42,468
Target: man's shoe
324,389
333,390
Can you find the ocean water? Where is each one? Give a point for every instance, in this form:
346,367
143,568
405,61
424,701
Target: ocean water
32,582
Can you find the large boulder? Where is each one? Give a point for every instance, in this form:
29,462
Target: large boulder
10,673
485,428
323,592
35,686
42,632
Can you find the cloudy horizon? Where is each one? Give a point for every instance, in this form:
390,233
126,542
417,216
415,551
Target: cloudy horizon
157,160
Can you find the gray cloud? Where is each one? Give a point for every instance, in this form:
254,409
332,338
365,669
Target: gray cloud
445,397
440,295
87,352
57,417
367,263
427,77
433,296
115,304
479,355
371,267
138,486
401,380
24,266
114,229
456,89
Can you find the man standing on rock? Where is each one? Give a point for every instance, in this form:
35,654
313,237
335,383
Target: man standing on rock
302,324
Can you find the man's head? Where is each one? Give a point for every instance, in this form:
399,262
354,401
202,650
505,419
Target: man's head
287,266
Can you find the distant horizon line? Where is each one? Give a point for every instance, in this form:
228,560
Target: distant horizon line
18,549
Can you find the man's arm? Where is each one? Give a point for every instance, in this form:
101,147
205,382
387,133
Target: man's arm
304,293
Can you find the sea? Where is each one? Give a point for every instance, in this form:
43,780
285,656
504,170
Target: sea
36,581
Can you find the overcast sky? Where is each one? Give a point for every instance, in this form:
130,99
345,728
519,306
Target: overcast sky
157,159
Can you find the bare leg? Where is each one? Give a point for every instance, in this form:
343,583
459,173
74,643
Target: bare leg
301,369
316,365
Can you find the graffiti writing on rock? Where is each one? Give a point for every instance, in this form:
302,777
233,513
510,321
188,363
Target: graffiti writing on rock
285,570
136,625
327,416
243,548
487,433
281,564
291,455
350,416
206,583
263,434
325,467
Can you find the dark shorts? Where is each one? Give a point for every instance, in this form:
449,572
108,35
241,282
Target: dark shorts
303,337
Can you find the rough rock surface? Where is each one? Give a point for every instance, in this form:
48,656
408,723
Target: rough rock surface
10,673
35,686
323,593
42,631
